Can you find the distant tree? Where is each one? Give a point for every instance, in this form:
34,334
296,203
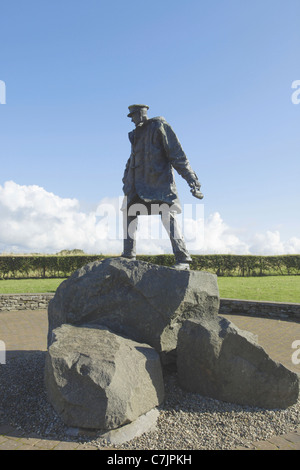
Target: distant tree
70,252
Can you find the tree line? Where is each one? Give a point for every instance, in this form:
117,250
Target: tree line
63,265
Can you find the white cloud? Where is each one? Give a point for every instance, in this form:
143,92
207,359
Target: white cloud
219,238
293,246
34,220
270,243
34,199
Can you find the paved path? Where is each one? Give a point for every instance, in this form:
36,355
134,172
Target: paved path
27,331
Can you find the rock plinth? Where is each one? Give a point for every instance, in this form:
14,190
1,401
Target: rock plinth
113,325
97,379
142,301
217,359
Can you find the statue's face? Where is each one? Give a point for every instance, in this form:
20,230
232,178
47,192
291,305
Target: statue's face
139,116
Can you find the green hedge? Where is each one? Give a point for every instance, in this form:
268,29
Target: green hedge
237,265
42,266
59,266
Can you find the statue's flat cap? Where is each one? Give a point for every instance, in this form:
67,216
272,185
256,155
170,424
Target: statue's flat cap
136,107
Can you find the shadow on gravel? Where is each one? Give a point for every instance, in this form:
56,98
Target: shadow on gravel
23,401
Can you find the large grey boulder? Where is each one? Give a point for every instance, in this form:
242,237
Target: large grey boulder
96,379
217,359
143,301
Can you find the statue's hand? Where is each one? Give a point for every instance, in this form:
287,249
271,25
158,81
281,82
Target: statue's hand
195,189
194,184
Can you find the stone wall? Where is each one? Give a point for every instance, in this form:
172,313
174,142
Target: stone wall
24,301
279,310
283,311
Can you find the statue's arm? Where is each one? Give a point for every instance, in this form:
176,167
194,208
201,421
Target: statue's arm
176,155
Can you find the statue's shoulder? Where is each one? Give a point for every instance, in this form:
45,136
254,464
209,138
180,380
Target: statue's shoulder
158,121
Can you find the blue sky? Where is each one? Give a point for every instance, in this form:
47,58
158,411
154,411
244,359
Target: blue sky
220,72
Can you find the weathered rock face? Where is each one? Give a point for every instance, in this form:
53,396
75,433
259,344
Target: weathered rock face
97,379
142,301
216,359
113,322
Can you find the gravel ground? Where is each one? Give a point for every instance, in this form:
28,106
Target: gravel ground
187,421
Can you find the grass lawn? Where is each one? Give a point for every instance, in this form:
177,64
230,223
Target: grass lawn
29,286
271,288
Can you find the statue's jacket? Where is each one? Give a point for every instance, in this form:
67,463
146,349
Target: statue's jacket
155,151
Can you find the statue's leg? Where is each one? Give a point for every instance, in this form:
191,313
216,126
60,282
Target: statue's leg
178,244
129,235
130,221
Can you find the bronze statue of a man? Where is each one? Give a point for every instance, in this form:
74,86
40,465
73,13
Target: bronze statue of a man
148,182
